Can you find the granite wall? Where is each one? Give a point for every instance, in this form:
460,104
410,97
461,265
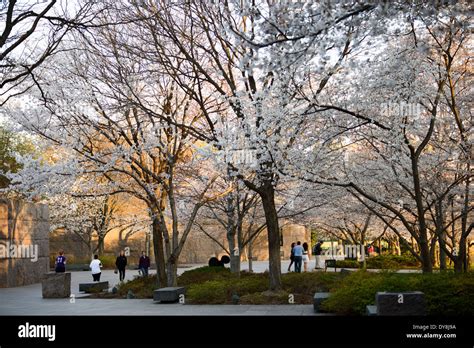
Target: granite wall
24,242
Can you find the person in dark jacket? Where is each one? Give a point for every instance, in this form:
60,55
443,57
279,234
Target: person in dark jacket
317,250
60,263
121,263
292,256
144,264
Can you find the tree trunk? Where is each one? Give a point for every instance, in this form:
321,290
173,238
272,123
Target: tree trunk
250,257
426,263
159,252
424,243
442,253
468,255
441,233
460,260
271,217
172,271
398,249
100,245
234,252
231,234
433,251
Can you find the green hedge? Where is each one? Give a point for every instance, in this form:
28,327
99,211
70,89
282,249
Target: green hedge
446,293
382,262
252,288
347,264
202,274
393,261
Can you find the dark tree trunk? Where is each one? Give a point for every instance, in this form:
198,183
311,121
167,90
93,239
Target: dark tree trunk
100,245
171,271
425,254
250,257
231,235
441,234
442,253
460,260
159,252
267,194
427,265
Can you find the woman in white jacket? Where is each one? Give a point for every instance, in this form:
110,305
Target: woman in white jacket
95,267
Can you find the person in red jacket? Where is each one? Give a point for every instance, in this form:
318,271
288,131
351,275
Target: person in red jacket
144,264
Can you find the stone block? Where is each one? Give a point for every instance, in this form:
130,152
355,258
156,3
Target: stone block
56,285
331,263
170,294
400,303
94,287
318,298
371,311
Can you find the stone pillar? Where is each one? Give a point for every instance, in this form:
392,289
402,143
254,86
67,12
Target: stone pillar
24,242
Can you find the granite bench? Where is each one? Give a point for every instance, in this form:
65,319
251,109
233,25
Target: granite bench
398,304
94,287
169,294
318,298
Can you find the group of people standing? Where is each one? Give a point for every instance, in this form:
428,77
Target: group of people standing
300,256
121,265
96,265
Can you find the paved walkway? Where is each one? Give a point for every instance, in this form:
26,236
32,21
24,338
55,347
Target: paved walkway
27,300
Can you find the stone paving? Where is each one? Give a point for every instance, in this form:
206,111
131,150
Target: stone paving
27,300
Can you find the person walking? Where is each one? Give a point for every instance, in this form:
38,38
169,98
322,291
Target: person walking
144,264
121,263
95,267
305,256
292,256
317,250
60,263
298,251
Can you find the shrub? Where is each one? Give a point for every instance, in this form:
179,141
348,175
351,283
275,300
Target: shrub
221,290
347,264
392,261
210,292
252,288
203,274
310,282
142,287
446,293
